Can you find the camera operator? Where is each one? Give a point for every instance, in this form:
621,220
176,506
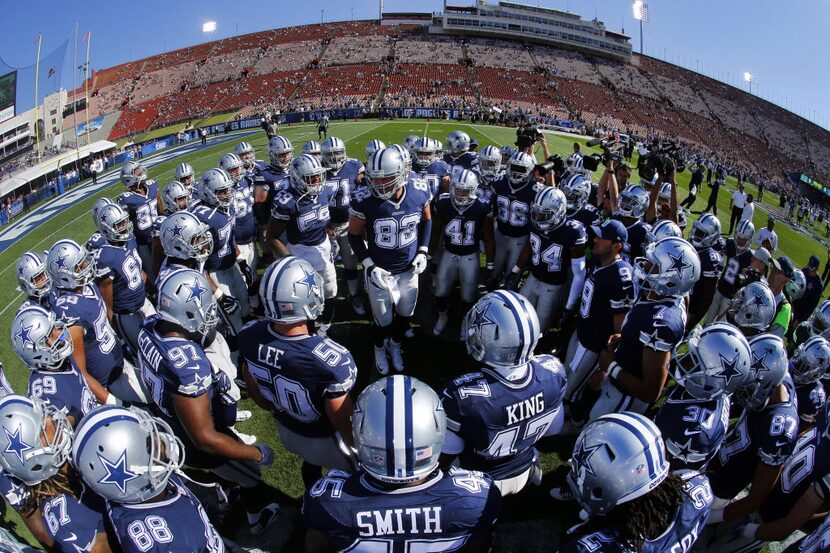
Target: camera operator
613,181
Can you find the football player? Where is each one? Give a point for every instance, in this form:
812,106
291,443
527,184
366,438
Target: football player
303,379
636,372
458,151
739,257
302,212
621,478
495,416
513,193
663,229
192,396
187,176
817,325
43,344
489,165
373,146
245,227
129,458
96,240
435,171
271,179
556,243
175,197
629,208
344,174
577,190
752,308
34,281
393,213
808,365
399,428
463,219
142,201
312,148
607,296
120,275
704,235
97,351
35,445
247,154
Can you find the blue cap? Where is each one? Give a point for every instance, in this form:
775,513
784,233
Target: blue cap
611,230
814,262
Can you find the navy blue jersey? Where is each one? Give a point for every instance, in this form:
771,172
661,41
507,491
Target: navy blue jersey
440,514
66,389
500,420
142,210
103,350
588,215
47,302
811,399
817,542
175,522
95,242
655,324
728,282
156,230
462,227
693,428
15,492
551,251
307,217
392,225
72,523
688,523
168,265
512,206
273,179
467,160
121,263
245,229
221,226
296,375
173,366
711,263
608,291
768,436
343,182
637,237
433,174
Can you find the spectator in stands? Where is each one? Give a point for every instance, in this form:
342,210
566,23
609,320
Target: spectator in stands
736,203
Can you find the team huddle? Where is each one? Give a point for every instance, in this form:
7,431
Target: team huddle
698,403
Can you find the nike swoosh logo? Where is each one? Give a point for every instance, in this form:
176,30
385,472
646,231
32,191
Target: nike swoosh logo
688,432
72,537
781,444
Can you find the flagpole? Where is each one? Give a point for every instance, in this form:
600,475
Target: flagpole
75,97
86,82
37,74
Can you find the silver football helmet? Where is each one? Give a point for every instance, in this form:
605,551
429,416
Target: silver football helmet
664,229
744,233
463,187
184,236
126,455
184,299
175,197
186,175
96,207
705,231
632,202
669,267
36,438
405,156
333,152
520,168
752,308
810,361
307,176
291,291
409,143
313,148
796,286
373,146
40,339
617,458
458,142
664,196
70,265
233,166
549,208
489,161
280,152
820,320
506,153
769,368
424,152
712,361
577,190
501,329
386,172
399,428
246,153
216,188
32,275
133,173
114,223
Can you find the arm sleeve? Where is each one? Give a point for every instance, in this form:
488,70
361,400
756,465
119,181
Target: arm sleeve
424,232
358,246
578,269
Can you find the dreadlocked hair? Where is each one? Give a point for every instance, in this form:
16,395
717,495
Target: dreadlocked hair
64,482
644,518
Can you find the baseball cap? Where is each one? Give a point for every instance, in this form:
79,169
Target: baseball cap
763,255
784,265
611,230
814,262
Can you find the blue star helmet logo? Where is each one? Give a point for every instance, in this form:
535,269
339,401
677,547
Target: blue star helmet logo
682,450
729,369
678,263
759,363
60,262
308,280
196,291
176,230
117,472
23,335
480,319
758,299
16,444
582,456
20,270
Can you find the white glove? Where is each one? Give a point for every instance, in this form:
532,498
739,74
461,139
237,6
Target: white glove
376,276
419,264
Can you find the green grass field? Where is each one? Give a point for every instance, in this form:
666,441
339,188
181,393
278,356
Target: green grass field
526,520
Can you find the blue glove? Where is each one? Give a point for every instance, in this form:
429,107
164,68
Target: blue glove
267,455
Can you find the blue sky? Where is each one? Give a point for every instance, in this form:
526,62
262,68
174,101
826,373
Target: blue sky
779,42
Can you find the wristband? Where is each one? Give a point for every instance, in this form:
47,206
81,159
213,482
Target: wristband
217,295
112,400
749,531
423,249
614,370
491,265
515,270
368,263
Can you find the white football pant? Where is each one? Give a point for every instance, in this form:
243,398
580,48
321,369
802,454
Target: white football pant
461,268
543,297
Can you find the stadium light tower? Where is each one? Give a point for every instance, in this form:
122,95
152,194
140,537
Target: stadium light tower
209,27
640,10
749,78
